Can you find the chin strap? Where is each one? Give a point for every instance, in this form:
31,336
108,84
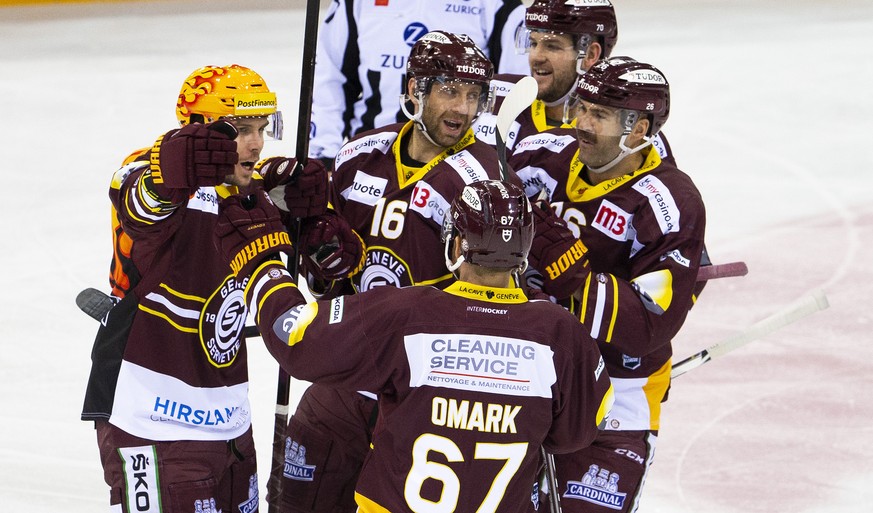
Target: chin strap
624,151
416,118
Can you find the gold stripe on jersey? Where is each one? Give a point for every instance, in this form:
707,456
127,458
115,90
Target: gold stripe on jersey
614,308
508,295
366,505
224,191
436,280
407,175
605,404
181,295
540,121
654,390
579,190
307,315
655,289
167,318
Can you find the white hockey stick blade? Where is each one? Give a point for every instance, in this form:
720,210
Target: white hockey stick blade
805,306
520,97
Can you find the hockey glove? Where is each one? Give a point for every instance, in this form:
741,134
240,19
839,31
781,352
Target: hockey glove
196,155
249,231
300,190
557,254
332,250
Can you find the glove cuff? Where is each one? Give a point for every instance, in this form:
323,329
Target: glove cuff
257,250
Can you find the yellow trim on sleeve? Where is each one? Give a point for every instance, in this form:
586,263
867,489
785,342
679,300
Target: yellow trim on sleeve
268,293
307,315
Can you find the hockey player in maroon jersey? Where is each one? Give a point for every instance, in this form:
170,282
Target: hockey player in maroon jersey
561,39
622,248
168,390
472,380
392,187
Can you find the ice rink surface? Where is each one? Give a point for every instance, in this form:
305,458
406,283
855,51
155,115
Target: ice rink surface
771,111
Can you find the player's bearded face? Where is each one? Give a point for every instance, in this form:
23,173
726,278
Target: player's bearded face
249,144
598,132
552,61
450,109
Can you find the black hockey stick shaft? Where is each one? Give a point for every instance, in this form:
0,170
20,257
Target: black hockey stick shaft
283,386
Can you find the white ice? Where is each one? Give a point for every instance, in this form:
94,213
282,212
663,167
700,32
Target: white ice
771,111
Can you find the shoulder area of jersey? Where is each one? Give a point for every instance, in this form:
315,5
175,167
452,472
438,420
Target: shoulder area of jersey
502,83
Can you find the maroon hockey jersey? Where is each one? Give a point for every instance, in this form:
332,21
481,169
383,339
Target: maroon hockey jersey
169,361
398,211
644,233
533,120
471,380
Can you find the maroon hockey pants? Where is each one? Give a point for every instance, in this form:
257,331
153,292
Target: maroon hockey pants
182,476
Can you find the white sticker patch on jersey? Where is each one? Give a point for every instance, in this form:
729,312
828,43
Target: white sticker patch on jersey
612,221
535,179
429,203
658,143
381,142
366,189
336,310
468,168
485,128
547,141
678,257
490,364
661,201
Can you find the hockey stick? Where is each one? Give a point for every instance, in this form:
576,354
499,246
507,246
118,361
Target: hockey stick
716,271
304,117
794,312
520,97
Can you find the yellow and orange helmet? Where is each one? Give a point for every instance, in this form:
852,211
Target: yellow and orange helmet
214,92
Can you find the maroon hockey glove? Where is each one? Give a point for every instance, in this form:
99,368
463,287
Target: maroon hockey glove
249,231
332,250
299,190
195,155
557,254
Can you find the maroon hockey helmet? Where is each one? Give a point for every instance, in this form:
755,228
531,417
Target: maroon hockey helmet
453,56
624,83
495,223
580,18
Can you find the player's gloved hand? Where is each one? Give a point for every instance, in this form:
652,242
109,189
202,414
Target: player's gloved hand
300,190
331,248
193,156
249,231
557,253
533,285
